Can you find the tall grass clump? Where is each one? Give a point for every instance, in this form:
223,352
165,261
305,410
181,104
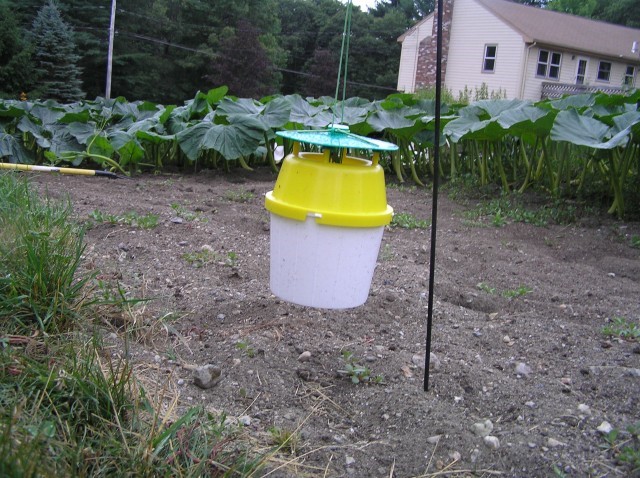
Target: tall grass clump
68,405
40,251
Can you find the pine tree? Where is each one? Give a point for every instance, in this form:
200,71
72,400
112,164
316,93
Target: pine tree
16,70
55,56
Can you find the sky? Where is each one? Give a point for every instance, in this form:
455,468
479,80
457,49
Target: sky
363,4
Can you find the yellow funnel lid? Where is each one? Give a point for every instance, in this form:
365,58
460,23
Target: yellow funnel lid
348,194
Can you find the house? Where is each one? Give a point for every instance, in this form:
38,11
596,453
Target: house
521,51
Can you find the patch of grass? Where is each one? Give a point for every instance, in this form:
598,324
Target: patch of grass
620,327
635,242
401,187
240,195
486,288
386,253
500,211
509,293
625,447
186,214
407,220
245,347
356,372
284,439
200,258
519,292
232,259
40,253
131,218
70,407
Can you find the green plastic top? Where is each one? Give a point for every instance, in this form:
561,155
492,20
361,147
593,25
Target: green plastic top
337,136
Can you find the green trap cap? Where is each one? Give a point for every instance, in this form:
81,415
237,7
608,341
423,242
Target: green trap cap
337,136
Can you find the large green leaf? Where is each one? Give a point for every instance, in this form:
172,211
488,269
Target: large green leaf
577,129
47,115
527,120
12,149
303,112
575,101
11,109
494,108
276,113
227,106
467,126
41,135
128,147
82,131
394,119
231,141
63,141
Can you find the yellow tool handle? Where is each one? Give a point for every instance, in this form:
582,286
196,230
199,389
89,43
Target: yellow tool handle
54,169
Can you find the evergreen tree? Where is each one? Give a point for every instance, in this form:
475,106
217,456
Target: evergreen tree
55,57
16,69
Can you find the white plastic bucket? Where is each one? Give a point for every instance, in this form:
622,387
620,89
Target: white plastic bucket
323,266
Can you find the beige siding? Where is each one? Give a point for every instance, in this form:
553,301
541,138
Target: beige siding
568,69
409,55
473,27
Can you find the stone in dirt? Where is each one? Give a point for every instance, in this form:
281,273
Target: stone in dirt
434,361
605,428
207,376
553,443
304,356
492,442
523,369
482,429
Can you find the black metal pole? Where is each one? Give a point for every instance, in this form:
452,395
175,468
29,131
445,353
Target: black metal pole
436,183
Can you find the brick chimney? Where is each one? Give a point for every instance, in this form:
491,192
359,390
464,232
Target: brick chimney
426,67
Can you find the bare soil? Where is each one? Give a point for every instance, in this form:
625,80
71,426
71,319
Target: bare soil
536,365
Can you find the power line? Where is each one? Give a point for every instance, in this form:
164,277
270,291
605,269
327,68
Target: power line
213,55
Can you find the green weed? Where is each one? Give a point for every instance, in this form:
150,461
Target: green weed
386,254
620,327
635,242
200,258
519,292
627,451
486,288
356,372
239,195
509,208
509,293
232,259
407,220
245,347
186,214
131,218
284,439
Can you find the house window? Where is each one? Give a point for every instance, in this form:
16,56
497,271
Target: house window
604,71
489,63
549,64
629,76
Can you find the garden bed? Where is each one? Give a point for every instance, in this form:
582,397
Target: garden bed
519,332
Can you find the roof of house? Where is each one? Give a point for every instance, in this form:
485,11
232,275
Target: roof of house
567,31
561,30
414,28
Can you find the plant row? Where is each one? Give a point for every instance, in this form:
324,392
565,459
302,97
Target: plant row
570,146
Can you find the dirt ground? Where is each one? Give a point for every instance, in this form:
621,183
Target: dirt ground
519,352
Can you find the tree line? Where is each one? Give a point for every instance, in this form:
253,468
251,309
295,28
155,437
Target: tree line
166,50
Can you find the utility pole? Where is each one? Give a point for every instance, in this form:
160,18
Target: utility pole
112,26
